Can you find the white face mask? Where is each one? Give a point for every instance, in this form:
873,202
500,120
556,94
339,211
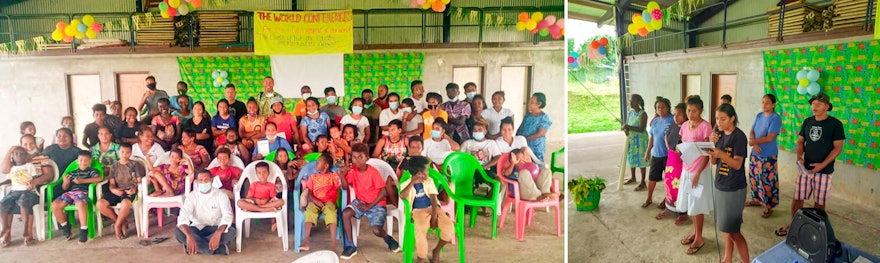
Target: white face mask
407,110
312,112
331,100
306,96
204,188
357,109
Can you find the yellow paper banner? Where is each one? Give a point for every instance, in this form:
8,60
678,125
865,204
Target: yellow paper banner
296,33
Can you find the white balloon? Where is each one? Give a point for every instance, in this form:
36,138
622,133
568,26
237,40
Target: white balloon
813,88
813,75
224,74
802,90
183,9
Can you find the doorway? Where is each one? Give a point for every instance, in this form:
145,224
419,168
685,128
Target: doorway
690,85
130,88
83,92
722,84
516,82
463,74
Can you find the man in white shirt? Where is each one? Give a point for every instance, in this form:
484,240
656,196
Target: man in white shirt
417,91
204,225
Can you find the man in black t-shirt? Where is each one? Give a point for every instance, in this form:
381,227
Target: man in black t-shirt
236,107
820,141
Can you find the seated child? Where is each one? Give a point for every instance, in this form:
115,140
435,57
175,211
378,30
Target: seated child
169,179
25,176
289,167
123,177
338,147
76,185
421,193
530,188
228,174
261,194
323,189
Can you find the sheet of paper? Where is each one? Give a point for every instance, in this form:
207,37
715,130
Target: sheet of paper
690,151
698,191
801,167
263,147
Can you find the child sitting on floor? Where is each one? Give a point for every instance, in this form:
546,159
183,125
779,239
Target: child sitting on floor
421,193
323,189
76,184
261,195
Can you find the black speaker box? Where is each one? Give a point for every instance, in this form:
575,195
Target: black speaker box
811,236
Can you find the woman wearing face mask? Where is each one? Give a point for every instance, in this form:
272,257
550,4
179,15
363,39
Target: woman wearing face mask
275,143
535,125
478,104
357,119
128,131
470,92
332,109
432,112
440,144
412,121
383,100
29,144
495,114
393,112
315,123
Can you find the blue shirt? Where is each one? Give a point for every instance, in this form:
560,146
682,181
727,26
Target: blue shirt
658,132
422,200
279,143
764,125
224,124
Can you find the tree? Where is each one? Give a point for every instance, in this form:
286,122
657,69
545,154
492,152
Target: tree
594,70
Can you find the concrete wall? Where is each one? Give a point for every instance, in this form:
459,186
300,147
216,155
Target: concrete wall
35,88
662,77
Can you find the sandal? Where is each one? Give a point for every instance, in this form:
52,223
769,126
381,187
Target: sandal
680,220
4,243
641,187
693,250
688,240
753,203
767,213
29,241
647,203
661,215
782,231
629,181
662,205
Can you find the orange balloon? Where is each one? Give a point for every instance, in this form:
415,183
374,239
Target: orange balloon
523,17
438,6
60,26
643,32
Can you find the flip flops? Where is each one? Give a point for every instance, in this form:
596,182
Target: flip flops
152,241
688,240
767,213
661,215
753,203
647,203
680,220
781,232
693,250
629,181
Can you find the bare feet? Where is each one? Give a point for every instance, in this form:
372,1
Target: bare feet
156,194
436,255
168,194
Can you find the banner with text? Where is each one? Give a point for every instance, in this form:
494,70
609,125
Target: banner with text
296,33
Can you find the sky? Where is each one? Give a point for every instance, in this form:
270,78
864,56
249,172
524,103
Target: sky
580,30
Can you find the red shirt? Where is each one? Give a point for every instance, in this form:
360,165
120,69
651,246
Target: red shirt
325,187
367,184
381,104
283,124
259,190
231,173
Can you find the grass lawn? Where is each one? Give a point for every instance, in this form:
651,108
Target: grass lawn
586,113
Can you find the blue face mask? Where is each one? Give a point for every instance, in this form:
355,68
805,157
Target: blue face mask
470,95
479,136
357,109
407,110
393,105
204,187
435,134
331,100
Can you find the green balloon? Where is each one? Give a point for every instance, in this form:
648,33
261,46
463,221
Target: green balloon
163,6
544,32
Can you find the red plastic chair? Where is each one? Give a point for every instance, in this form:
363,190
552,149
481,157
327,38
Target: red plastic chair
524,210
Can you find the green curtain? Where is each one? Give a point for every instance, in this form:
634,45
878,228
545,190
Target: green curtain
369,70
849,75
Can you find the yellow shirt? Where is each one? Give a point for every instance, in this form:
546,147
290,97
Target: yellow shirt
429,121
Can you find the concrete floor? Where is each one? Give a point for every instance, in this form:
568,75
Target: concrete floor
621,231
541,244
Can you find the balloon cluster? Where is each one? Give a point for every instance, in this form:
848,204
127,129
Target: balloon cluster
538,24
575,59
437,5
598,48
85,28
172,8
221,78
807,82
649,20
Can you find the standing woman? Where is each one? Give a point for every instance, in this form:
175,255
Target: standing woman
729,156
201,125
762,162
636,139
495,114
315,123
535,125
657,151
674,166
694,174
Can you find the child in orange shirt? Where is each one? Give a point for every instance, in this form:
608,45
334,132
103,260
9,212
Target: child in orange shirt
323,192
338,147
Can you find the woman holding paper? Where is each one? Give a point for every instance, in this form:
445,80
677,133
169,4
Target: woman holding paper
270,143
762,162
690,195
729,156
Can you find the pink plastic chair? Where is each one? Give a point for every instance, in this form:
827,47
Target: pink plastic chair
160,203
524,210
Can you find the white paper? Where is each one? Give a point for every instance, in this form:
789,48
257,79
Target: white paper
801,167
690,151
697,191
263,147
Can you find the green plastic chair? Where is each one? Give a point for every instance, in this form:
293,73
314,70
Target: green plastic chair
557,155
409,236
271,156
92,209
461,168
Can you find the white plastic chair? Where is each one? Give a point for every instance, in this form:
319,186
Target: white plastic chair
159,202
242,218
234,161
135,204
40,214
385,170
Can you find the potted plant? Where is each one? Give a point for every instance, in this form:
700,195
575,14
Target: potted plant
586,192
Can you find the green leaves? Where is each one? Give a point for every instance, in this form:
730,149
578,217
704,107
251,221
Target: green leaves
582,186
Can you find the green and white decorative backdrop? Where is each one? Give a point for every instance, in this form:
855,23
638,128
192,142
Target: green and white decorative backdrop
369,70
849,75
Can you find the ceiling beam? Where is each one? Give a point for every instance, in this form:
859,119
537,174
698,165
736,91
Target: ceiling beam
606,18
706,14
624,4
592,3
583,17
